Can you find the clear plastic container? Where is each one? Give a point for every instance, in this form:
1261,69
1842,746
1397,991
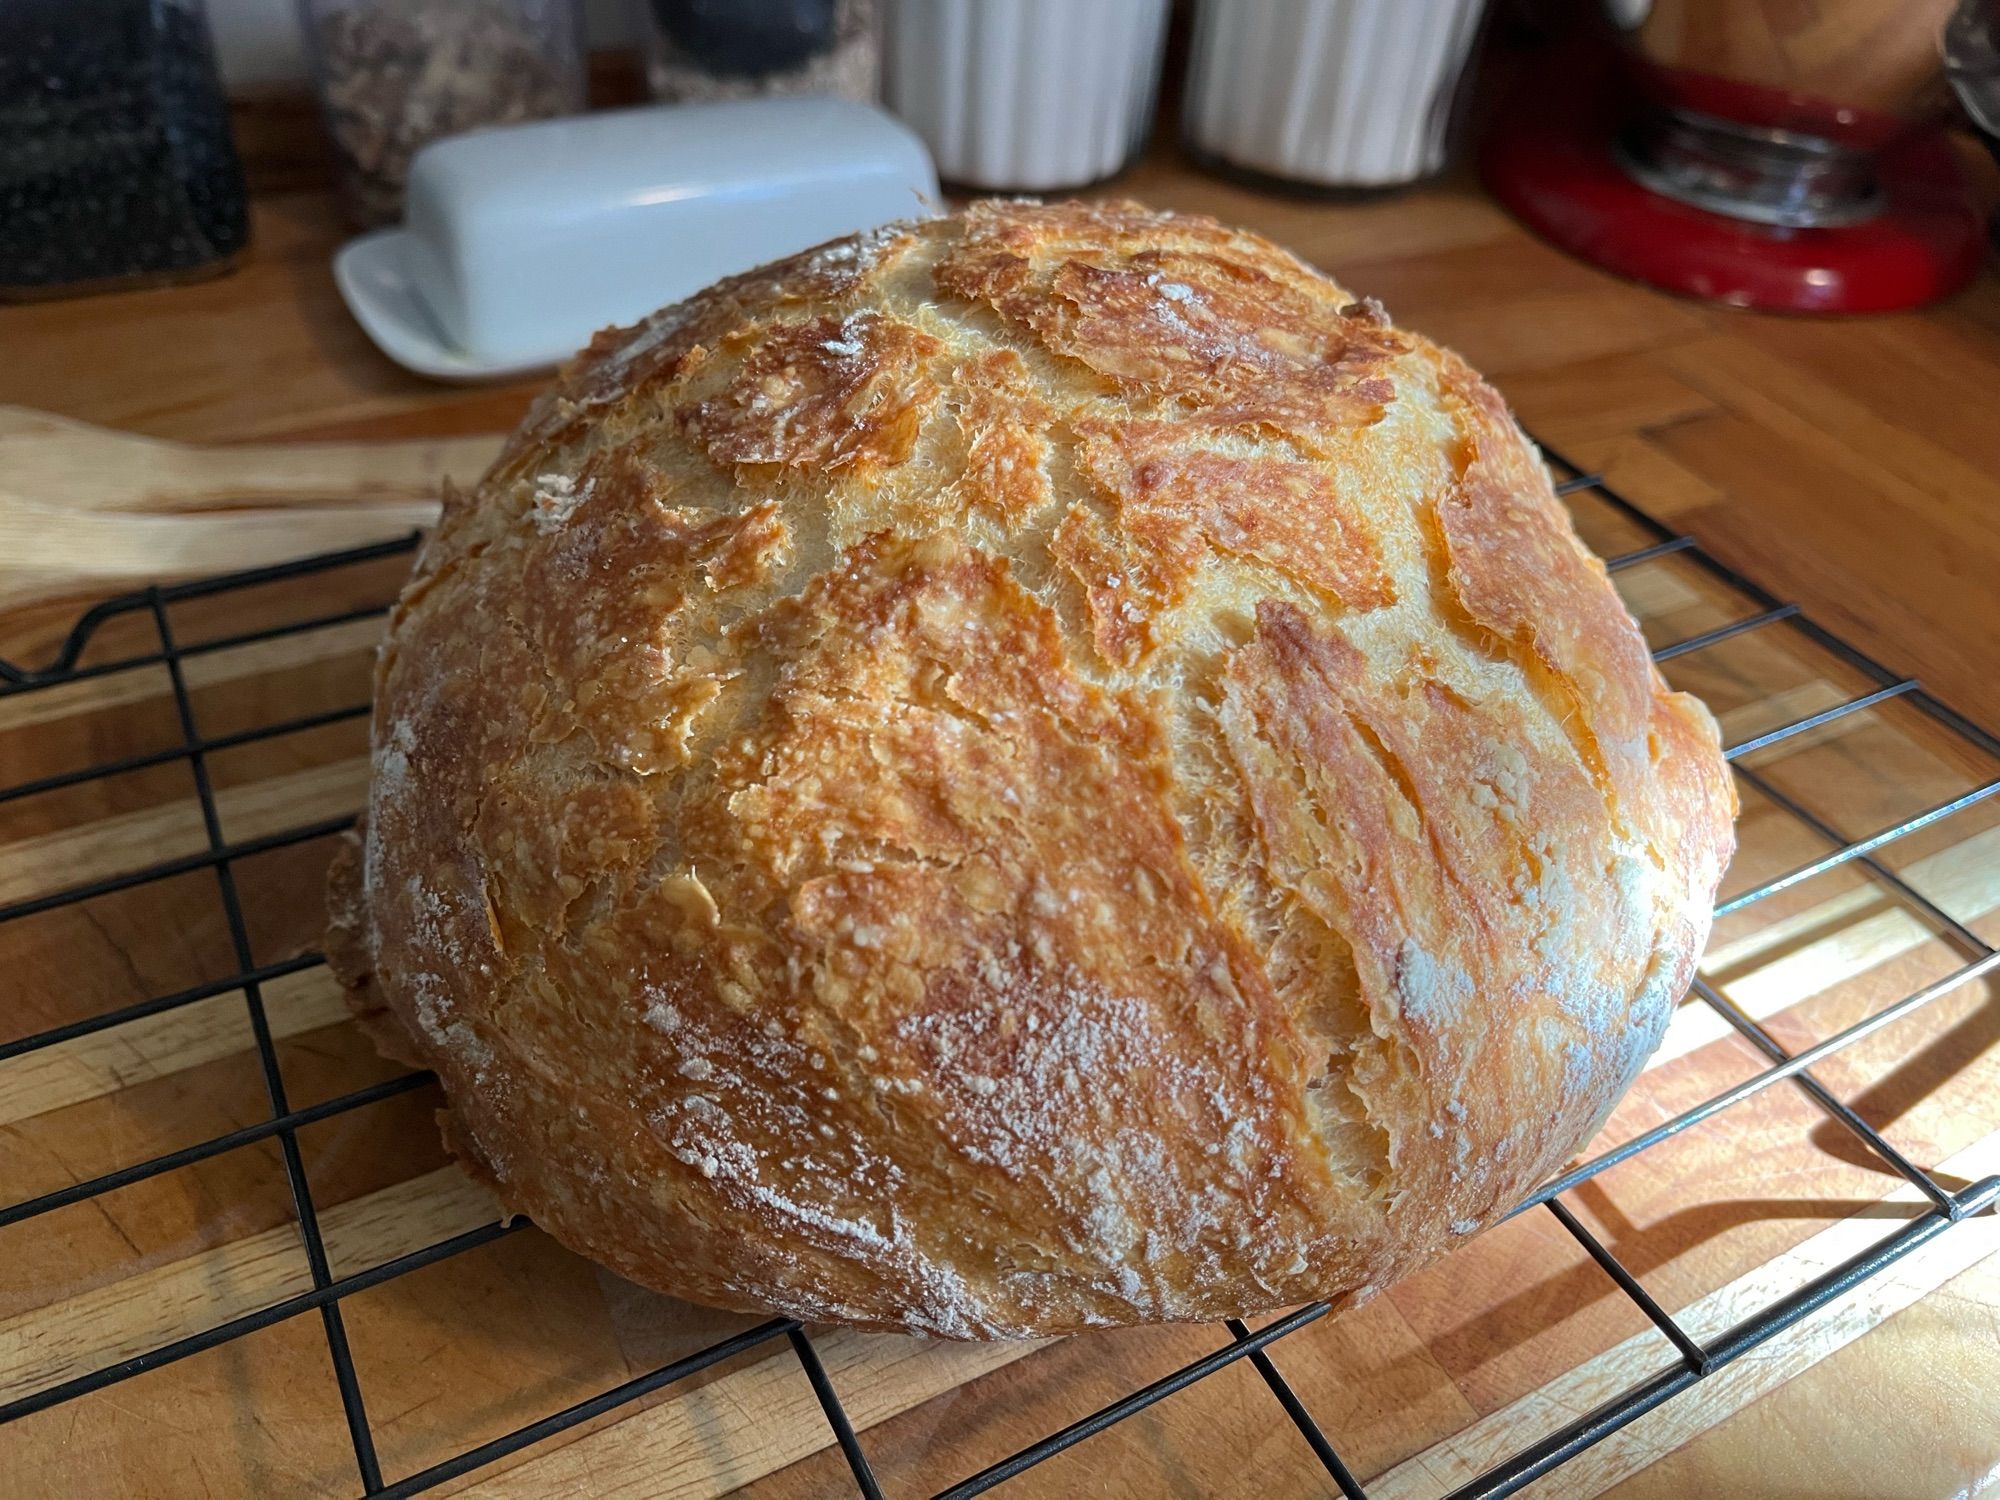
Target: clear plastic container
395,75
742,49
116,164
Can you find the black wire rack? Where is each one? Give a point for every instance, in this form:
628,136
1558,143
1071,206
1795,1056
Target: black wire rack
1694,1358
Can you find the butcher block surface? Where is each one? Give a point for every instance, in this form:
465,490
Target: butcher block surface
1851,466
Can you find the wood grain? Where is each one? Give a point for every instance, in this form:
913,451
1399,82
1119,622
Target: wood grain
153,1047
1849,465
54,553
1502,1433
749,1424
78,465
53,861
1953,1333
50,1344
84,507
306,650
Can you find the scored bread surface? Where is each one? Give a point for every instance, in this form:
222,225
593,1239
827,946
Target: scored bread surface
1028,770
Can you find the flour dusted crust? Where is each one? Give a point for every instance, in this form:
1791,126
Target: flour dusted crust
1030,770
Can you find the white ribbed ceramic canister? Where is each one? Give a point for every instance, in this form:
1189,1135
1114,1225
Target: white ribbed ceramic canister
1025,95
1331,93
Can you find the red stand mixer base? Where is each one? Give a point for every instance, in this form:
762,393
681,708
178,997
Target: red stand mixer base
1551,164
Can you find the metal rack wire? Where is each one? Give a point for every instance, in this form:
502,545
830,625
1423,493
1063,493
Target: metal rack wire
1694,1358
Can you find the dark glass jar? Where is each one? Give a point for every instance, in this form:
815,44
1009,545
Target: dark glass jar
116,163
740,49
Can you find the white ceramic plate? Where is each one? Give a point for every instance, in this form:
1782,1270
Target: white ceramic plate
370,272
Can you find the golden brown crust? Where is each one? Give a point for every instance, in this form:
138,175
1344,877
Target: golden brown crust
818,395
1228,325
1032,770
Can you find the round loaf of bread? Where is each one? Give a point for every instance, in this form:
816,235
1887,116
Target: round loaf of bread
1029,770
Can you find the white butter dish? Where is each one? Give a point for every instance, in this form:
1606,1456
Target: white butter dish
520,242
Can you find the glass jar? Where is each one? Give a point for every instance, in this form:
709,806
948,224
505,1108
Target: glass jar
395,75
1972,64
116,163
1783,121
741,49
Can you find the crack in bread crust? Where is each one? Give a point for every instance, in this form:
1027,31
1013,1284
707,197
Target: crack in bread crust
1019,772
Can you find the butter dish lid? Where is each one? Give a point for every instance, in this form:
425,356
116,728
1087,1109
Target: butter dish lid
520,242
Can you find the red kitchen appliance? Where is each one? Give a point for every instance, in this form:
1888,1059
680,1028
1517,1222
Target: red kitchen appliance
1761,153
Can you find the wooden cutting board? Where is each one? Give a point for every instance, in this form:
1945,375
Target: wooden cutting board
1449,1372
1445,1373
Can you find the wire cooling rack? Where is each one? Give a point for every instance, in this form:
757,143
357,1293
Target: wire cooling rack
1694,1358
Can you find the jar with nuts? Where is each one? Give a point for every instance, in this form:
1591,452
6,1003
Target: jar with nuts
394,75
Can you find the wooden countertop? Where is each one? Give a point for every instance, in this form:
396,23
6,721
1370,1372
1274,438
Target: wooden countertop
1851,465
